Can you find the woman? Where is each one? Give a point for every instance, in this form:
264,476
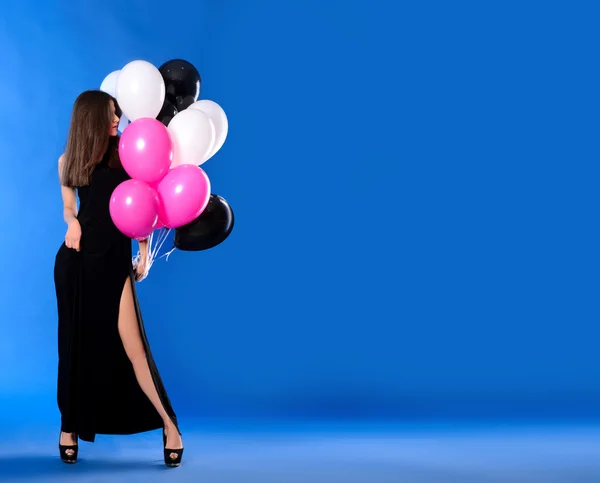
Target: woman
107,379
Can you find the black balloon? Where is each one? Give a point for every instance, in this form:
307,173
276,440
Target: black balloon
182,83
211,228
167,113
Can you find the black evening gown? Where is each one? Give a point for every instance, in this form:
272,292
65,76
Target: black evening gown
97,389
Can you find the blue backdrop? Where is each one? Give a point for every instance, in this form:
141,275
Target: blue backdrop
415,191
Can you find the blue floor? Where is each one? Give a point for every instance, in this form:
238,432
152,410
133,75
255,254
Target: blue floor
318,453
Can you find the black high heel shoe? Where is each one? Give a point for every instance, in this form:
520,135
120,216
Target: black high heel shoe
66,457
171,462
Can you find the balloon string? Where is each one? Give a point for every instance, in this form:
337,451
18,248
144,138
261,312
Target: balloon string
154,247
162,238
151,248
148,262
168,254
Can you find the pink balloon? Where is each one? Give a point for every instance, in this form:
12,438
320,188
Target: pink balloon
146,150
183,193
134,208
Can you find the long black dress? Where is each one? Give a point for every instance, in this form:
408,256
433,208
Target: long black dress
97,389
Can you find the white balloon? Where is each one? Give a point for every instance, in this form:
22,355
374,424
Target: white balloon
193,136
219,119
140,90
123,123
109,84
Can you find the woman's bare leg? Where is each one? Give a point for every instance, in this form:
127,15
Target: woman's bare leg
132,342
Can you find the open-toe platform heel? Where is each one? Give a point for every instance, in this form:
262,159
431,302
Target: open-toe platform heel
66,457
169,461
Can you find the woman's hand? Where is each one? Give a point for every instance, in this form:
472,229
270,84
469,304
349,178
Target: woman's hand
73,236
140,270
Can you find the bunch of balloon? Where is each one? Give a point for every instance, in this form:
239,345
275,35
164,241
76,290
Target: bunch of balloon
167,134
185,115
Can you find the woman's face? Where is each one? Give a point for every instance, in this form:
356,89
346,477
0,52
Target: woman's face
114,127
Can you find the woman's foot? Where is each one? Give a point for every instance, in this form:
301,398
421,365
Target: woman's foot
68,447
173,445
68,439
174,440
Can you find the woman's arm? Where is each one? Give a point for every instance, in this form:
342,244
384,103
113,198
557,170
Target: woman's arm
73,236
69,197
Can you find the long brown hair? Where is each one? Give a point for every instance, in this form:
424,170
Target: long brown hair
89,138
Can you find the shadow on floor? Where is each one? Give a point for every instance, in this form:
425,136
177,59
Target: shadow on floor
30,466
